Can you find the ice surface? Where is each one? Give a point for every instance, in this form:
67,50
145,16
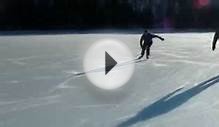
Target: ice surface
177,87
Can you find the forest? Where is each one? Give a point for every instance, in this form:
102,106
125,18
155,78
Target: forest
99,14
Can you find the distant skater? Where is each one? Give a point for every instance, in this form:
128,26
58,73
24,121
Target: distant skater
147,38
216,36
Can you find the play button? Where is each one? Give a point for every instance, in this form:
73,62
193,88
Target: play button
108,64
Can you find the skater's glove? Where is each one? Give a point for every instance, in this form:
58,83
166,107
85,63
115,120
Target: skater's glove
162,39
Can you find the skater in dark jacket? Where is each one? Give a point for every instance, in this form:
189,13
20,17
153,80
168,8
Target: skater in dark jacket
147,38
216,36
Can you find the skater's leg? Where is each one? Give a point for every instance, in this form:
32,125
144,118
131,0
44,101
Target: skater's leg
215,41
142,53
148,52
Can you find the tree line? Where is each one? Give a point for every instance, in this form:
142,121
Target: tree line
89,14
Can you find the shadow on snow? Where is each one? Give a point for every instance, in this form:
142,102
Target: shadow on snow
168,103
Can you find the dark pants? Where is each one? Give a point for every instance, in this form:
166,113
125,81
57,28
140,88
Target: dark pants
147,48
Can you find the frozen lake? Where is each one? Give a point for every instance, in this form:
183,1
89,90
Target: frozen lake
178,86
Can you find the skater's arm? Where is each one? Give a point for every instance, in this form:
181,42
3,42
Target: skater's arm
141,41
156,36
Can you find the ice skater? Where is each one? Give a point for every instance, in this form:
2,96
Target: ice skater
147,38
216,37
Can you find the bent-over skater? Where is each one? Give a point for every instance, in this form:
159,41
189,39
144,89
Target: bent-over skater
216,36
